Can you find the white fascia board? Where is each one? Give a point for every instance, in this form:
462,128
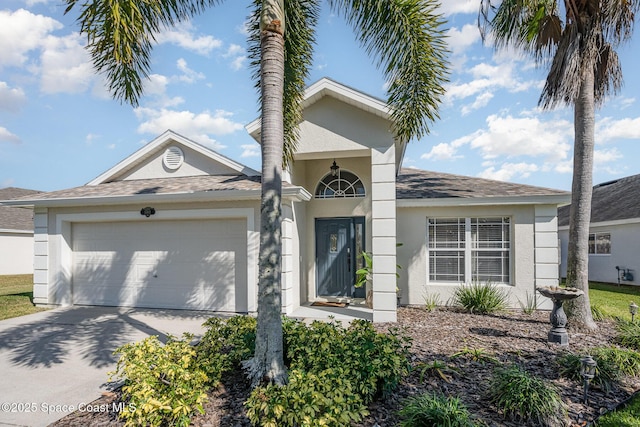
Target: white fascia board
627,221
167,136
297,194
324,87
10,231
483,201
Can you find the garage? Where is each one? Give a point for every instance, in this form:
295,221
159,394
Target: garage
179,264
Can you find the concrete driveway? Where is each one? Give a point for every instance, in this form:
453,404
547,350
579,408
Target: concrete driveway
53,362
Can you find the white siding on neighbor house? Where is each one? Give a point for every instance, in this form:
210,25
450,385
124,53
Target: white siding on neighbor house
16,252
413,257
625,251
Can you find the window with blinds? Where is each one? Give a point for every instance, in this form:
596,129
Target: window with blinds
465,250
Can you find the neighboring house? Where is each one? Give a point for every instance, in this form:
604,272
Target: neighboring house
16,234
614,232
176,225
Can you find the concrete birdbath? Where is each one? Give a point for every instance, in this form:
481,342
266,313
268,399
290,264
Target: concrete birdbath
558,333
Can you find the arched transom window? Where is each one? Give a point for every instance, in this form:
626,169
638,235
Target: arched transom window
343,184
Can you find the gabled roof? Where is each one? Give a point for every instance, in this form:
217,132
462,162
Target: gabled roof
611,201
16,219
416,187
167,138
327,87
182,189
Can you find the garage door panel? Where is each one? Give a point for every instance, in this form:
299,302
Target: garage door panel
166,264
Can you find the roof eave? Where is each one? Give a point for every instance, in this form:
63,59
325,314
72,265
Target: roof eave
297,194
551,199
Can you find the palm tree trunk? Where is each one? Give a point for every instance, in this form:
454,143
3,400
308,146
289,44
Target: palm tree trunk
268,362
579,310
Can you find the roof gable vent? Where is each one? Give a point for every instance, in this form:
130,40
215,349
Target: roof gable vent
173,158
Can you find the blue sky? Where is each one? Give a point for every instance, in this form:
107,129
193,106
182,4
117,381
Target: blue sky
59,128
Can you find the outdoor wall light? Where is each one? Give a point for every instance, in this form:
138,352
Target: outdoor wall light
633,309
588,371
148,211
334,168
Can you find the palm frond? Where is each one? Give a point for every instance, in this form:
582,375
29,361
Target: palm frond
120,37
406,38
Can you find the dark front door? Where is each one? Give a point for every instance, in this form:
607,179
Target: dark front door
338,244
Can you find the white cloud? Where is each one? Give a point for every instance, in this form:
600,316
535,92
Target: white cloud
91,137
65,65
442,151
601,157
21,32
183,36
9,182
508,171
250,150
609,128
7,136
481,101
523,136
237,55
451,7
188,75
460,39
11,99
197,126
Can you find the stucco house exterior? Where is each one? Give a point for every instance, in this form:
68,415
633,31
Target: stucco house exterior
16,234
614,232
175,225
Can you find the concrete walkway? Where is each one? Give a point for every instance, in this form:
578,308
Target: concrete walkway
54,362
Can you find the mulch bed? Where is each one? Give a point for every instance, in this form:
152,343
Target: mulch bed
512,337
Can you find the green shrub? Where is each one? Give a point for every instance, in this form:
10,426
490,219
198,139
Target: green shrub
373,362
628,334
435,410
612,363
627,416
481,298
226,343
597,313
523,397
325,398
476,355
437,368
164,384
431,301
529,305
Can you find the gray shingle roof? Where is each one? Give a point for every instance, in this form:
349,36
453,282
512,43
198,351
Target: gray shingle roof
15,218
420,184
190,184
613,200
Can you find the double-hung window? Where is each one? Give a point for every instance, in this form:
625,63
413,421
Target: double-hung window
600,243
465,250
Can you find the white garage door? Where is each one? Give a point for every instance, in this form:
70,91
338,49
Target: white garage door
198,265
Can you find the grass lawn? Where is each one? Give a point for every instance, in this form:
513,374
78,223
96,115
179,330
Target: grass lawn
629,416
16,296
614,300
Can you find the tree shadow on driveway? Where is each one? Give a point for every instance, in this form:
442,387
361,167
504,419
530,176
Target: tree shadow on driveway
88,333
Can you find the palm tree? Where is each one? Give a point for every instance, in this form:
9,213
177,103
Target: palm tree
120,36
583,70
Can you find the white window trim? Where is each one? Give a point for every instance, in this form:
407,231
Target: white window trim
595,237
468,250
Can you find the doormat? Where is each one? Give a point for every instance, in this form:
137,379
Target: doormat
329,304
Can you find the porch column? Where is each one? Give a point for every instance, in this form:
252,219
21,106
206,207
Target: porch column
287,260
547,258
383,233
40,257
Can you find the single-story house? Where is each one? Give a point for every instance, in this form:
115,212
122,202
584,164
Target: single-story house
614,232
16,234
175,224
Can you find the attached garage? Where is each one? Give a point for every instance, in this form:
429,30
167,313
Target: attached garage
181,264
